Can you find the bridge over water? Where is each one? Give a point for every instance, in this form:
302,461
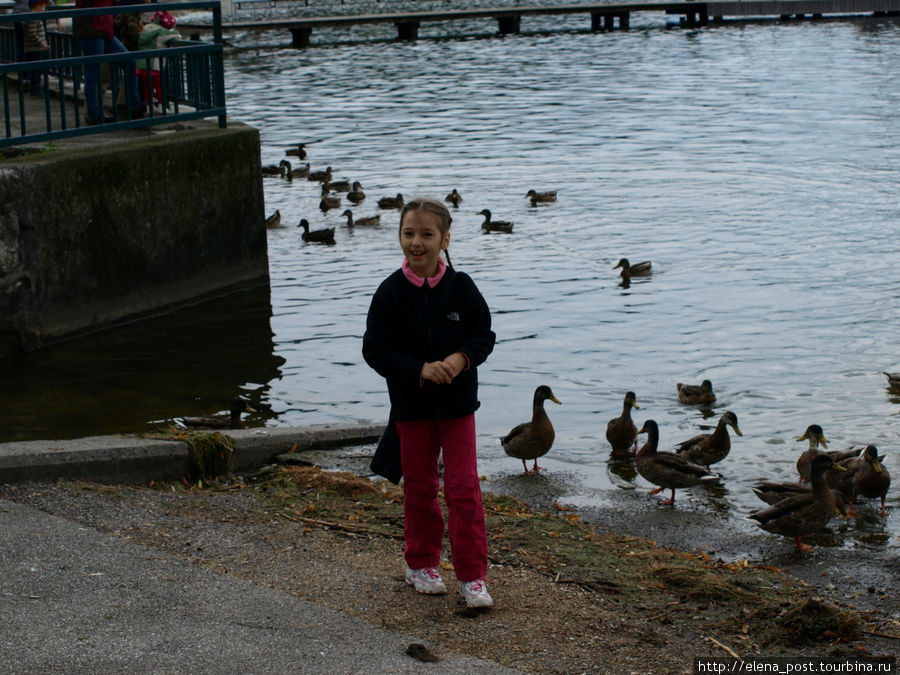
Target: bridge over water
603,16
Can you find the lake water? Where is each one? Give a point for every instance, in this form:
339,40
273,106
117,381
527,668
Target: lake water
756,165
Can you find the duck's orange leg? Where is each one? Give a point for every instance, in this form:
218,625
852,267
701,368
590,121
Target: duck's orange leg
803,548
670,500
656,491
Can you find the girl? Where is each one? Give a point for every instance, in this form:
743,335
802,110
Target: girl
427,330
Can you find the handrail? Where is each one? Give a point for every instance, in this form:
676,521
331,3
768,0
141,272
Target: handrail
189,83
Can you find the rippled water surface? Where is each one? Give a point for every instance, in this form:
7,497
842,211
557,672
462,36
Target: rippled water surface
757,166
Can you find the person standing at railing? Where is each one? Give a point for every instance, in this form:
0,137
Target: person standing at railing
96,35
159,33
36,46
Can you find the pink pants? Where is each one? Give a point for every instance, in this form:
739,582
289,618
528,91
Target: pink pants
420,444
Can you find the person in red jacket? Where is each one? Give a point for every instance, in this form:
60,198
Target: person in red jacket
96,35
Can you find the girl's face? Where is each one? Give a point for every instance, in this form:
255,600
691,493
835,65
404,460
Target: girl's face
422,241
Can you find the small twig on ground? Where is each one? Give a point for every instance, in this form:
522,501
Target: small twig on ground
730,651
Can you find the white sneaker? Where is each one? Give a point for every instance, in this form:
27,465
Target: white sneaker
426,580
475,593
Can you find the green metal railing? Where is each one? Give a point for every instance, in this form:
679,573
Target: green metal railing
189,79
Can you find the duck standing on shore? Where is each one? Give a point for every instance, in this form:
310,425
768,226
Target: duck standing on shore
666,469
530,440
803,513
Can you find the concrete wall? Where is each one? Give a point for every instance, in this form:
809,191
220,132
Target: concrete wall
126,227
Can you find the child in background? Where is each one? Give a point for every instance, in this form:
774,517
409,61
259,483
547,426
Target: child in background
159,33
36,45
427,330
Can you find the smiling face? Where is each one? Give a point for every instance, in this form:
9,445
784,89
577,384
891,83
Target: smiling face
422,241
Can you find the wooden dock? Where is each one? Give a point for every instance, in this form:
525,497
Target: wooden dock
603,15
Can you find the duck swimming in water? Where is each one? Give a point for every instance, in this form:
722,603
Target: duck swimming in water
541,197
708,449
453,198
696,394
368,221
323,236
621,431
391,202
533,439
494,225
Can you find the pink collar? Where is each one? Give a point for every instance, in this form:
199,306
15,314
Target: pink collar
416,280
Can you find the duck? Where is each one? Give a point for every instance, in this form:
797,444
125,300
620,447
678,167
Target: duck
666,469
641,269
322,176
802,513
391,202
772,492
816,437
298,151
337,185
273,169
327,202
541,197
274,220
368,221
231,421
494,225
356,194
453,198
696,394
870,478
301,171
708,449
287,170
621,431
323,236
530,440
893,381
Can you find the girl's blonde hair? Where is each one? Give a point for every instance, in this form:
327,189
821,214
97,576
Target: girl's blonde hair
434,207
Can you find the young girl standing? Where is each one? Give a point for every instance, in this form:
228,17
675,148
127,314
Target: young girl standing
427,331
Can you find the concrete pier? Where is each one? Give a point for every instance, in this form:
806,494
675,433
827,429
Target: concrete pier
103,229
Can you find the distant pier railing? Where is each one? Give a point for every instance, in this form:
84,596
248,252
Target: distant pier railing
185,82
603,15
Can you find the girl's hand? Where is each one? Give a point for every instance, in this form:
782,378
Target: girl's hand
438,372
456,362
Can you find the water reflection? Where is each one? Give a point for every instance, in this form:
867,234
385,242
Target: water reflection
190,362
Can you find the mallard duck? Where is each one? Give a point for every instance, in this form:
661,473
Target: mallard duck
274,220
337,185
298,151
893,381
301,172
802,513
230,421
621,431
273,169
696,394
287,170
368,221
533,439
356,194
541,197
322,176
816,437
391,202
494,225
666,469
328,202
870,478
323,236
641,269
453,198
772,492
708,449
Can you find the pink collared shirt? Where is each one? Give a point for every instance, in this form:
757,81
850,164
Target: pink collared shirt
416,280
